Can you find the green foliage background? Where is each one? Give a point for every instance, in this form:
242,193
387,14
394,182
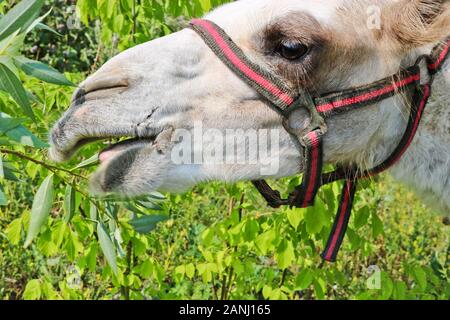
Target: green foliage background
210,243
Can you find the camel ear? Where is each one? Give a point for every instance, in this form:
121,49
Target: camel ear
415,23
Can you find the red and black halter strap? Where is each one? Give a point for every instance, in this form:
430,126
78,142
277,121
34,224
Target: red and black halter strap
284,101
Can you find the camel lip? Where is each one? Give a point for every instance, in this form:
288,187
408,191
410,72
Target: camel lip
59,154
113,150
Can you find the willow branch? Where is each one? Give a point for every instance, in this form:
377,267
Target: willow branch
41,163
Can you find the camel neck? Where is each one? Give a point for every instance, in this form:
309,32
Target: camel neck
426,166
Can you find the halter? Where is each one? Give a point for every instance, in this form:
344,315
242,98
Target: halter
284,100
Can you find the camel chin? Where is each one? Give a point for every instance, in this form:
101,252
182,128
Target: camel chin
122,173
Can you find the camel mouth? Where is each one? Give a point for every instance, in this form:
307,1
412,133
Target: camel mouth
114,149
116,143
121,172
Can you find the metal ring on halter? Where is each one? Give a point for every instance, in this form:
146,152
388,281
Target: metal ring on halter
317,122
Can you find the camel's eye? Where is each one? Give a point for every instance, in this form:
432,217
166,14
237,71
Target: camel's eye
292,50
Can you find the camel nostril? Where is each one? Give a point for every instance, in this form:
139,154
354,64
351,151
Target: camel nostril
105,80
78,96
100,85
56,135
79,93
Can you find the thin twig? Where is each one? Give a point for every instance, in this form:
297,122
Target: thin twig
45,165
223,294
283,277
134,14
230,283
214,289
231,206
126,289
97,57
241,202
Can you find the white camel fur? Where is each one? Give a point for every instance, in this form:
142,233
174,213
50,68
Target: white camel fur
172,82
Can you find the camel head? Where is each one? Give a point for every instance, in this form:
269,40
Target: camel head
184,117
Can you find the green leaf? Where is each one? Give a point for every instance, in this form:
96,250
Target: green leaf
354,239
421,277
37,21
14,231
264,242
314,221
58,232
361,217
106,8
10,47
190,270
294,216
86,8
387,286
207,236
41,26
330,198
400,290
146,224
33,290
41,208
49,292
285,254
72,245
7,171
118,21
107,247
206,5
319,288
150,205
304,279
438,268
33,98
22,135
20,17
145,269
180,270
377,225
91,256
69,203
3,200
93,212
133,208
267,292
7,124
157,196
88,162
251,229
275,294
42,71
12,85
